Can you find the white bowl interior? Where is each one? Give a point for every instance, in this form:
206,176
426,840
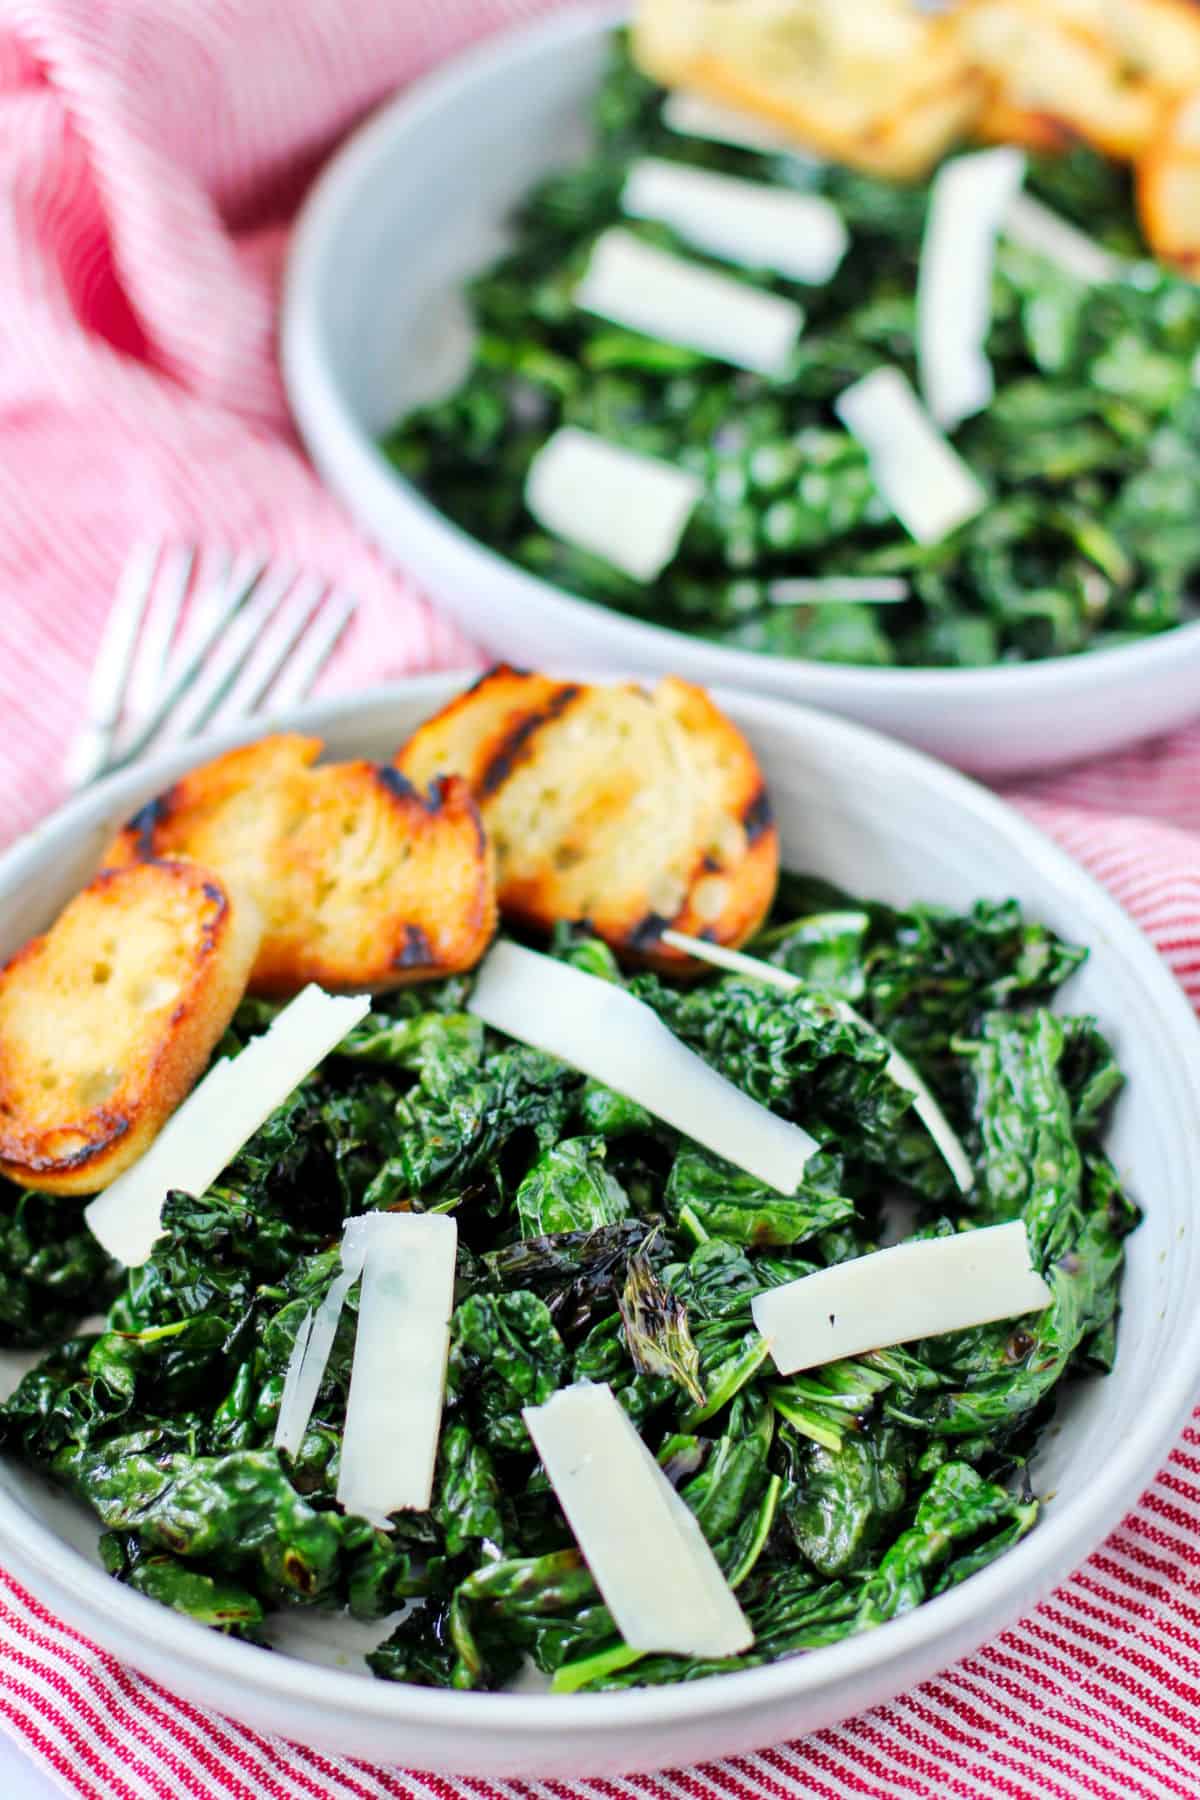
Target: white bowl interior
414,345
882,821
374,322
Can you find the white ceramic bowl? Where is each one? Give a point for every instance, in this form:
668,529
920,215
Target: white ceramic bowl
881,820
373,323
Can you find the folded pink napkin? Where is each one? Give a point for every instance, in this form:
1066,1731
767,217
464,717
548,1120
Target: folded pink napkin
151,156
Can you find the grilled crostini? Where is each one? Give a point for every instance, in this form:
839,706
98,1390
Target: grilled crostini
363,883
109,1018
627,810
879,84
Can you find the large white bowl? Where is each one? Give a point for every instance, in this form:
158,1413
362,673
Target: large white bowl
882,820
373,323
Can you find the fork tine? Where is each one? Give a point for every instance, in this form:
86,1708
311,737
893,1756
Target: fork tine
274,649
299,676
110,673
220,672
230,575
218,610
159,626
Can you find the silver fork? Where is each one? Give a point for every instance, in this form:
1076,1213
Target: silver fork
195,641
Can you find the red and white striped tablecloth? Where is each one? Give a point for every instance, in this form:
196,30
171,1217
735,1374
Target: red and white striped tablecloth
151,156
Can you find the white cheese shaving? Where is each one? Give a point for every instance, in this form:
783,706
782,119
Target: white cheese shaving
898,1068
648,1556
922,477
691,115
681,302
913,1290
398,1377
616,503
830,590
224,1109
1040,229
601,1029
798,235
291,1424
314,1341
968,202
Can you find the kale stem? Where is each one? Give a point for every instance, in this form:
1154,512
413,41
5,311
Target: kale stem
766,1519
573,1676
809,1423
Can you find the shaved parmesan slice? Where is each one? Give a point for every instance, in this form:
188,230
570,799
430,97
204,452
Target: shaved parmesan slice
629,508
691,115
648,1556
682,302
914,1290
398,1378
601,1029
830,590
1038,228
968,203
310,1352
798,235
897,1067
290,1426
224,1109
923,478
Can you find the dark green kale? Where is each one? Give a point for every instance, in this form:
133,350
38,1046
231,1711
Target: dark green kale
597,1245
52,1270
570,1189
1089,450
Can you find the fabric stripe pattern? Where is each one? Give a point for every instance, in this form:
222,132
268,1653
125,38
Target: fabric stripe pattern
151,158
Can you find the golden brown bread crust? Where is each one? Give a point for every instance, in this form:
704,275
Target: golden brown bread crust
883,86
1002,122
375,886
607,805
486,730
108,1019
876,83
1051,59
1168,189
225,814
363,884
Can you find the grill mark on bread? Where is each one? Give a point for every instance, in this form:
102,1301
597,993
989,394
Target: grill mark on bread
757,816
401,788
516,744
646,934
489,674
144,824
416,952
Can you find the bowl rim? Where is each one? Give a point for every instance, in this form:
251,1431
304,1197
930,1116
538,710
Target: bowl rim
332,433
1065,1535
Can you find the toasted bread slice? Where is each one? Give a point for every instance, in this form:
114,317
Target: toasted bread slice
108,1019
1047,60
876,84
608,805
1154,40
363,884
372,885
1168,189
1001,122
227,814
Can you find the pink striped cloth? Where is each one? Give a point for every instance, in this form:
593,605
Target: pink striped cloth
151,156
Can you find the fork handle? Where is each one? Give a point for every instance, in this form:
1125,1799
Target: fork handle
88,755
